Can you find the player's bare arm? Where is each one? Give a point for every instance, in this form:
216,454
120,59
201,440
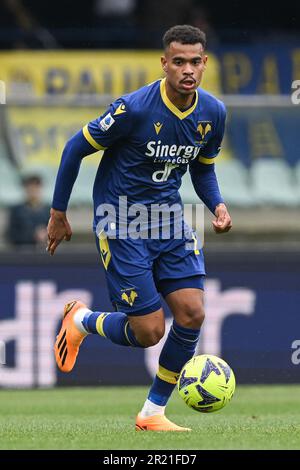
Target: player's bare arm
58,230
222,223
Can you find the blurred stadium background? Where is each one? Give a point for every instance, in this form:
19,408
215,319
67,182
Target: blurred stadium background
60,67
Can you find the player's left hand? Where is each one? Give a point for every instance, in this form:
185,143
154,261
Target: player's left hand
223,223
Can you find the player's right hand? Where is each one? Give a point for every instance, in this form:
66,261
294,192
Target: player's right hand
223,222
58,230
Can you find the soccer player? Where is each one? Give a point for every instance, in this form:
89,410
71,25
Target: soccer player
150,138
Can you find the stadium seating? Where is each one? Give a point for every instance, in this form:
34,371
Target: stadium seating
233,181
272,183
234,184
83,189
187,191
267,182
297,176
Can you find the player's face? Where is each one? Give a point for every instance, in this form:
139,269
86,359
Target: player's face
184,65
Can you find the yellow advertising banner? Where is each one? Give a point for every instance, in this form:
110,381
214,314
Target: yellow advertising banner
38,134
77,73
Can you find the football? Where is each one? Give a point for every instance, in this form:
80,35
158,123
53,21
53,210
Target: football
206,383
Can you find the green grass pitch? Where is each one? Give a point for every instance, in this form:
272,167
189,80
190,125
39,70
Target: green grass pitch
260,417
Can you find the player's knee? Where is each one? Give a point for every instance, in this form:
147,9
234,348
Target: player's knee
151,337
193,316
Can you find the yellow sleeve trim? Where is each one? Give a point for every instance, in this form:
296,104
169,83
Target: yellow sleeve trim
206,161
90,139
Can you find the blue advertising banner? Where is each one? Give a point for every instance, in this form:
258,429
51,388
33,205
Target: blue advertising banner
252,320
263,132
259,68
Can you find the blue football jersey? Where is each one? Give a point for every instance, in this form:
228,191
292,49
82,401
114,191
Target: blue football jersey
148,144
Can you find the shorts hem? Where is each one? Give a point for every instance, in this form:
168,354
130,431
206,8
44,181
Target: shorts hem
140,311
166,286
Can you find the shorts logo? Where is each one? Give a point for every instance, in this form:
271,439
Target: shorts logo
106,122
129,296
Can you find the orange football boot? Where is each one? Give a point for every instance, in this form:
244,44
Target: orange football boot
69,338
156,423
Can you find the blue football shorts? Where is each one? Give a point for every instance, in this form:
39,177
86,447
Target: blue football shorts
137,271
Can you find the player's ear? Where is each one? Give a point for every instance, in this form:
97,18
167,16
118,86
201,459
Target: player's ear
163,62
205,58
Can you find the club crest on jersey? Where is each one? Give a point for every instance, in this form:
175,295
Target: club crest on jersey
106,122
204,127
129,295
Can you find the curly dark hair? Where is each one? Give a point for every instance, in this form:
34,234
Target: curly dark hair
184,34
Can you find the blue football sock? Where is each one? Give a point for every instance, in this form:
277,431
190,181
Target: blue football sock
179,347
114,326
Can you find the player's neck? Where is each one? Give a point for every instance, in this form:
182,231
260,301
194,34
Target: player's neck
182,102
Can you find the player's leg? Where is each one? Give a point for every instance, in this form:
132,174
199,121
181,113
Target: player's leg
132,290
185,298
137,331
148,329
78,321
187,308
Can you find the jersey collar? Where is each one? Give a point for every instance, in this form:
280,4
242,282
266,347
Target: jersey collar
171,106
